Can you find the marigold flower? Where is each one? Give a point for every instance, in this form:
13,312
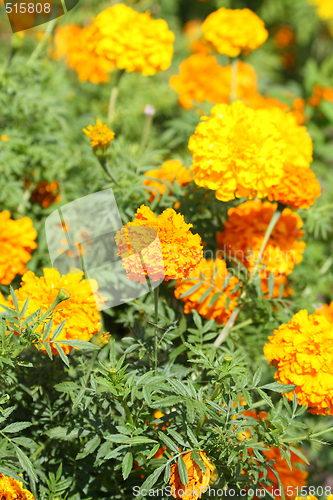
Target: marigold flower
193,32
237,151
181,250
46,193
4,138
321,93
76,44
198,481
302,351
298,188
132,41
244,233
169,172
17,242
324,9
202,78
11,489
100,135
234,31
284,36
325,310
218,310
80,311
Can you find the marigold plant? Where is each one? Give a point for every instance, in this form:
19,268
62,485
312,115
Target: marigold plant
232,32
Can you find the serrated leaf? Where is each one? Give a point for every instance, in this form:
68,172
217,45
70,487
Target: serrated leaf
168,442
25,463
196,457
16,427
191,290
89,447
277,387
182,471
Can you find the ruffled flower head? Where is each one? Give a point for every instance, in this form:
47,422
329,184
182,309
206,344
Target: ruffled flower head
198,481
170,171
233,31
80,311
172,255
132,41
302,351
222,282
17,240
202,78
11,489
100,135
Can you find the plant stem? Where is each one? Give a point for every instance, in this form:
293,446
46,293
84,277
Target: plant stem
156,293
227,327
106,168
114,95
307,436
35,54
149,116
127,411
234,70
269,230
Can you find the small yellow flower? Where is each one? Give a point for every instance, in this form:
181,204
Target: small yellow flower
12,489
5,138
100,135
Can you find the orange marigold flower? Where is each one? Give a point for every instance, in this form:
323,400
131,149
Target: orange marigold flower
298,188
169,172
132,41
238,151
219,309
17,242
80,311
193,32
11,489
181,250
244,233
202,78
234,31
76,44
293,478
284,36
326,310
302,351
100,135
198,481
321,93
46,193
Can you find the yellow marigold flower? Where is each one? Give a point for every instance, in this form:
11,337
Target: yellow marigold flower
326,311
80,311
302,351
238,151
202,78
324,9
4,137
244,233
17,242
76,45
234,31
169,172
132,41
295,478
198,481
298,188
100,135
181,250
218,310
11,489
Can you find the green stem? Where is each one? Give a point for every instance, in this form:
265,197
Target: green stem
35,54
227,327
127,411
269,230
149,116
308,436
104,164
114,95
156,293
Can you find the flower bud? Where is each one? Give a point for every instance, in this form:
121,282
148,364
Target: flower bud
63,294
241,436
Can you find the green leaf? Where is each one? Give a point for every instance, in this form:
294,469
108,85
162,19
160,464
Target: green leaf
151,480
14,299
66,387
205,295
277,387
168,442
16,427
58,330
257,376
271,282
214,299
62,354
299,454
191,290
79,344
182,471
25,463
127,464
89,447
196,457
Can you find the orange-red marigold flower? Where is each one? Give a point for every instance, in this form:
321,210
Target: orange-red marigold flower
46,193
170,171
302,351
80,311
181,250
16,242
218,310
198,481
234,31
11,489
